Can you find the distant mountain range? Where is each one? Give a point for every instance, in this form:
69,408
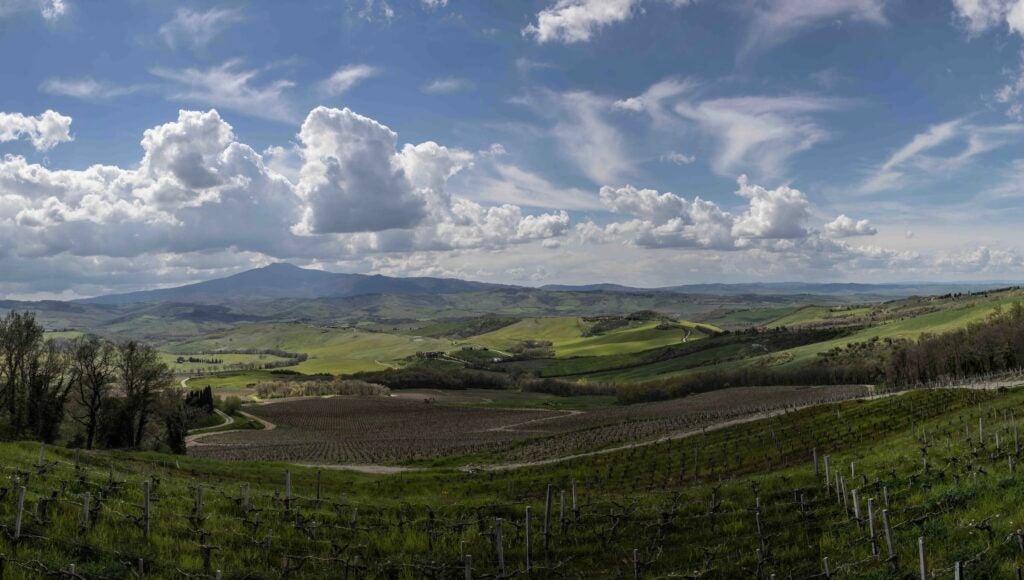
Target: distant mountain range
796,288
287,281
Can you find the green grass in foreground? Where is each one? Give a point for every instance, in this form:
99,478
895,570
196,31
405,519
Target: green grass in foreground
681,507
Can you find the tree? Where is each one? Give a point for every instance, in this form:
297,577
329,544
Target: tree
93,371
21,338
142,375
34,378
176,416
49,382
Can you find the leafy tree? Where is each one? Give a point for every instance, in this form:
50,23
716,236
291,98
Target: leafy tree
142,375
92,362
34,378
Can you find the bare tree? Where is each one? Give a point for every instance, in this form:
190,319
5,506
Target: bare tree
93,372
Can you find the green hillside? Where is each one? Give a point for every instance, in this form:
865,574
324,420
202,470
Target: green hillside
330,350
569,336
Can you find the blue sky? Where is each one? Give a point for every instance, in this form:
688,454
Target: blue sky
646,142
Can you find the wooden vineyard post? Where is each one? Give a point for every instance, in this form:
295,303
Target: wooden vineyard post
888,535
499,547
981,431
824,563
85,510
547,517
42,456
145,507
245,497
856,506
19,513
199,505
575,507
828,477
846,499
921,559
871,527
529,564
885,495
814,456
287,490
760,534
318,487
958,571
561,510
469,567
636,564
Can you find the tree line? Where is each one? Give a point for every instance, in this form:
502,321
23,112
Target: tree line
88,391
990,346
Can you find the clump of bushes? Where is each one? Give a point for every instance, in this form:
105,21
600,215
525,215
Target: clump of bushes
281,389
418,377
565,388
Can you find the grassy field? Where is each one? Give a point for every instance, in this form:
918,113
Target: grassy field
63,335
943,320
234,380
330,350
567,335
820,314
742,501
908,319
171,359
747,318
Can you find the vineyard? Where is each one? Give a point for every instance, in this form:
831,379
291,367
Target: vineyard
908,485
375,430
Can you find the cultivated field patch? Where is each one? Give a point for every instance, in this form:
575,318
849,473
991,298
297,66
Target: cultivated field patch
376,430
369,430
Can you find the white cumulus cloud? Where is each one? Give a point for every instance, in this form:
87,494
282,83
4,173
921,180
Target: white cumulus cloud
846,227
44,131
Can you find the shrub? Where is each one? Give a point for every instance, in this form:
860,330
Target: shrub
281,389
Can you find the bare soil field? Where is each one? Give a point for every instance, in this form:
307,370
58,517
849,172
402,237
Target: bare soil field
375,430
601,428
367,430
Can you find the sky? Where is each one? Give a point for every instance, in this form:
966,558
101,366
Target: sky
642,142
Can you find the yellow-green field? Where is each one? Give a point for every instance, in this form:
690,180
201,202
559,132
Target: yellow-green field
820,314
566,336
63,335
912,328
330,350
171,359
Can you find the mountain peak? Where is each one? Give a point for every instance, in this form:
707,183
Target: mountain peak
284,280
280,267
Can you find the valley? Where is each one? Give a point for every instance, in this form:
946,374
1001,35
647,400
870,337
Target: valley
495,432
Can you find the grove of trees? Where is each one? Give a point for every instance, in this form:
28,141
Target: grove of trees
88,391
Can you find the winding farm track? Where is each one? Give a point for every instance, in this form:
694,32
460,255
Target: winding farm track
513,427
380,469
197,434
